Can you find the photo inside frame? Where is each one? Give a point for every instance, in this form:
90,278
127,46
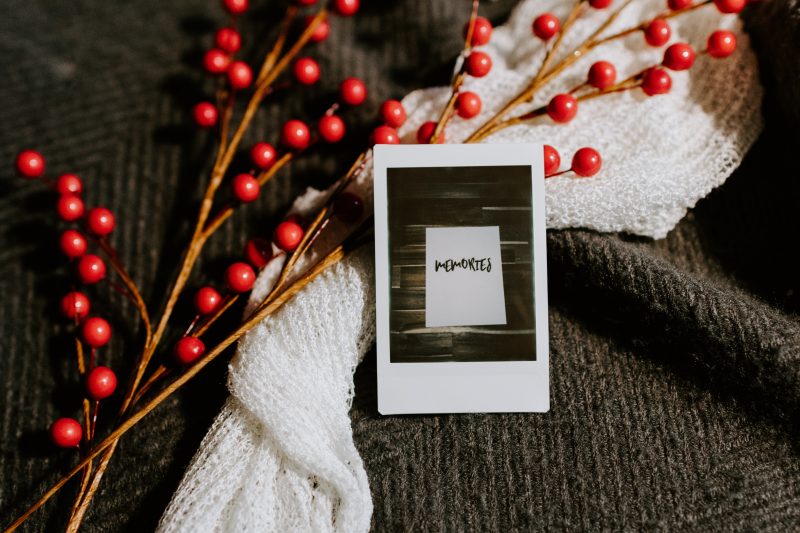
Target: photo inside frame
461,264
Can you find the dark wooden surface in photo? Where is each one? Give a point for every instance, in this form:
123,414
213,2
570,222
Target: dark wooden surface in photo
420,198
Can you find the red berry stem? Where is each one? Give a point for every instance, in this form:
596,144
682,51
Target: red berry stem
458,80
94,421
131,291
320,219
208,321
667,14
158,374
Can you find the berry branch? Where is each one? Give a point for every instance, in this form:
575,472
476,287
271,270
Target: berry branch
190,351
266,310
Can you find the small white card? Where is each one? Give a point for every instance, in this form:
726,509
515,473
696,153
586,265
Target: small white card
461,278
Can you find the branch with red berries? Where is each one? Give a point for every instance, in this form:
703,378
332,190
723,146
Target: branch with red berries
601,79
292,238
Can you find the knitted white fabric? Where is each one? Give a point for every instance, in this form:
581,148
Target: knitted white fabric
660,154
280,457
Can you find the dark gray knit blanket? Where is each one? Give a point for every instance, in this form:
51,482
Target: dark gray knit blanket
675,364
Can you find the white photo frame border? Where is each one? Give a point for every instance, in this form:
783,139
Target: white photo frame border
461,387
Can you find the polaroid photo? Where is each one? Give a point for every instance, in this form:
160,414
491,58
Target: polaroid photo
461,279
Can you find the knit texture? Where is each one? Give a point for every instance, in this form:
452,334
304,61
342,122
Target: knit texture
673,363
280,456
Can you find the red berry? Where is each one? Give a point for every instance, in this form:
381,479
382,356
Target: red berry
216,61
69,184
72,243
30,164
352,91
263,155
96,332
562,108
425,132
288,235
321,32
75,305
385,135
245,188
258,252
188,350
306,71
235,7
228,39
393,113
331,128
481,32
100,221
478,64
552,160
679,56
586,162
66,433
602,75
207,300
676,5
239,277
656,81
346,8
91,269
101,383
306,2
239,75
721,43
545,26
295,135
730,6
468,104
205,114
600,4
348,207
69,207
657,33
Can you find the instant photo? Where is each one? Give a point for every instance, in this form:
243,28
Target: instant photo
461,281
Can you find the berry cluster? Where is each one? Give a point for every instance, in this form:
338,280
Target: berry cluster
233,79
93,332
601,78
655,80
295,135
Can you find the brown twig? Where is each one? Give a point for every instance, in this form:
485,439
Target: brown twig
625,85
87,413
668,14
207,323
161,372
262,178
312,230
129,285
